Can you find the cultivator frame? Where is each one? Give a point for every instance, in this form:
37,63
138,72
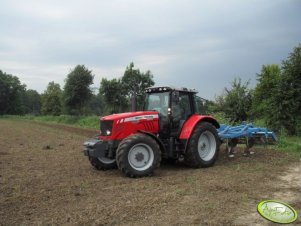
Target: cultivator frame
245,134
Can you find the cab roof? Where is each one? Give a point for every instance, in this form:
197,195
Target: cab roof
169,88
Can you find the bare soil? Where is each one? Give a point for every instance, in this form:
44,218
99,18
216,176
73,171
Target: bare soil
46,180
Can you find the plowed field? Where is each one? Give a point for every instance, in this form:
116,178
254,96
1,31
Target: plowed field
46,180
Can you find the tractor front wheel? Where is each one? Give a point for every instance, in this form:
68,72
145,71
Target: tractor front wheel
203,146
103,163
138,155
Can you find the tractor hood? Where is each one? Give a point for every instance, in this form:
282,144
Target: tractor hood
130,115
120,126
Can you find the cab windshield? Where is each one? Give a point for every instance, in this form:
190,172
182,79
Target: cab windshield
157,102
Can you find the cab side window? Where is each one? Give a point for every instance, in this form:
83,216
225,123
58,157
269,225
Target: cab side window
180,111
201,105
184,105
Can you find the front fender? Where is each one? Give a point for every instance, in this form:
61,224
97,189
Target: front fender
161,145
189,125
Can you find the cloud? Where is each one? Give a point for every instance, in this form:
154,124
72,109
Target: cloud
198,44
42,10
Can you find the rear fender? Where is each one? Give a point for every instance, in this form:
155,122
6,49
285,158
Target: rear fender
190,124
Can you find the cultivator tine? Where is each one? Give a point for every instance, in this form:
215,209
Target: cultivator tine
249,145
229,149
230,144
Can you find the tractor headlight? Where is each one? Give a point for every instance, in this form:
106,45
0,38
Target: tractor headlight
106,127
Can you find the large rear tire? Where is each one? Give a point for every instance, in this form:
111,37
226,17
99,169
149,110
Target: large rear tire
203,146
103,163
138,155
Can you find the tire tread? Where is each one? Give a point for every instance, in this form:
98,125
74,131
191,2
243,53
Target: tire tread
192,158
122,151
98,165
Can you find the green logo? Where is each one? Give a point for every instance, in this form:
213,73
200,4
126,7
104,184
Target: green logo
276,211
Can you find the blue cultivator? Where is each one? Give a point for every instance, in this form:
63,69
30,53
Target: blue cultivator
245,134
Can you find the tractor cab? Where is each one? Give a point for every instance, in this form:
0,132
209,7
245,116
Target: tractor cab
174,106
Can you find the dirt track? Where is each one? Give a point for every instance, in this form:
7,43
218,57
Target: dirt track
40,186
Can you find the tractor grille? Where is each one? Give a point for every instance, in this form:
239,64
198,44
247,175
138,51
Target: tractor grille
106,127
149,126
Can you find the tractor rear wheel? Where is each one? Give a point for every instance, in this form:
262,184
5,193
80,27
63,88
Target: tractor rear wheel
103,163
138,155
203,146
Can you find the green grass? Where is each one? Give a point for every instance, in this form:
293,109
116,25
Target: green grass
78,121
291,144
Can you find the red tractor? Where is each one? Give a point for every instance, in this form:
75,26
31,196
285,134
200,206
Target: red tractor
170,127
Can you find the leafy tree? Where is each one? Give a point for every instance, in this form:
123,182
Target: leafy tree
113,95
277,96
135,83
97,104
11,94
288,98
52,100
32,102
236,101
267,85
76,91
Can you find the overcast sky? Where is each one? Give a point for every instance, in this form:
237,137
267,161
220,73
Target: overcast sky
193,43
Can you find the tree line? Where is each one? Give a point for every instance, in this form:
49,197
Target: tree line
275,100
76,97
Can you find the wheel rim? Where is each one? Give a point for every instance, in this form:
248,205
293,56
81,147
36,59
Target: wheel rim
206,146
106,160
141,157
